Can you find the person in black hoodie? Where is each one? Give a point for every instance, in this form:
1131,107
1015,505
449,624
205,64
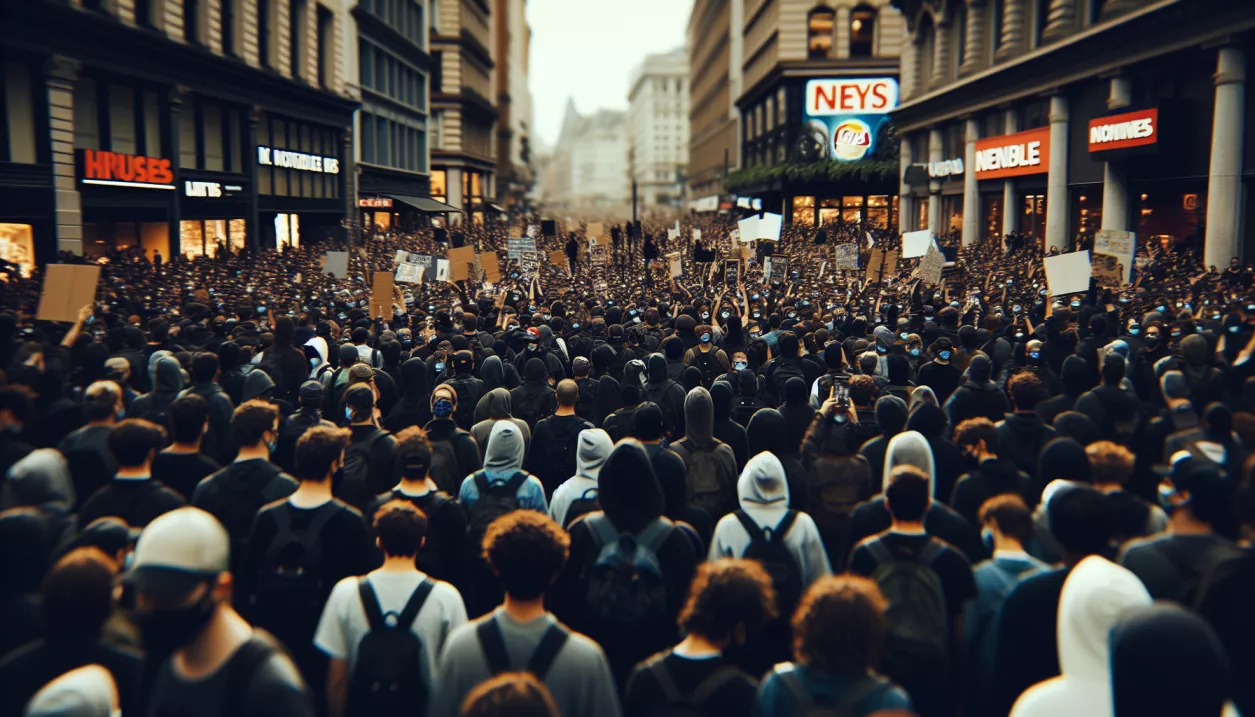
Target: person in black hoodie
219,441
455,454
609,400
668,394
284,362
632,502
673,349
304,418
1022,434
990,475
87,449
1075,378
414,407
469,388
231,376
727,430
534,399
1117,412
930,422
26,549
167,384
891,416
978,397
133,495
768,432
796,410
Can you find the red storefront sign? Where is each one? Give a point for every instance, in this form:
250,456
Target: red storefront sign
1013,155
1130,129
116,169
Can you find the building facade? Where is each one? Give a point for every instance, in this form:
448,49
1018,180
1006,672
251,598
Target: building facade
178,126
714,45
1072,116
658,128
589,163
515,173
392,70
819,81
464,108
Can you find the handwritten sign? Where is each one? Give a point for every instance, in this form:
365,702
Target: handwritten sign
846,257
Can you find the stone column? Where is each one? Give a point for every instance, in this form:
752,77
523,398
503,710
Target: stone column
174,225
255,115
1115,191
906,200
941,55
910,68
934,186
1060,20
1013,21
974,47
1224,175
971,193
1009,208
1057,179
62,73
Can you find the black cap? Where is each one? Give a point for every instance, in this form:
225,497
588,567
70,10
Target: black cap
311,392
359,396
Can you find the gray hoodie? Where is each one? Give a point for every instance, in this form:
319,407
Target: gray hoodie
42,480
255,384
496,406
764,495
591,451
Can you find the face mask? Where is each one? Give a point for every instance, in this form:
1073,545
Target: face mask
881,350
1076,304
705,338
1035,355
1161,309
1152,341
1176,334
903,336
987,537
1166,493
740,365
440,367
705,315
442,408
945,355
915,352
121,413
273,443
840,418
1134,331
348,414
167,630
1234,329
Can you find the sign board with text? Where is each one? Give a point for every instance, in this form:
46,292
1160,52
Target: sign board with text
846,256
516,247
931,265
1125,130
1013,155
844,116
1119,246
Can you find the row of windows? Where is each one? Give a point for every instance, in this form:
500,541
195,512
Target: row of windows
118,118
405,16
388,75
17,113
392,144
210,136
299,137
767,115
821,22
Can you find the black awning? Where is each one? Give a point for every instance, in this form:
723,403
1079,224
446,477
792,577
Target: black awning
425,204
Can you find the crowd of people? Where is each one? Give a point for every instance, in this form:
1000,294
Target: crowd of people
626,484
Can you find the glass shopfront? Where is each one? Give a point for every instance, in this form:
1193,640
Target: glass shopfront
952,213
1033,215
991,210
1172,212
877,210
1086,214
210,237
17,247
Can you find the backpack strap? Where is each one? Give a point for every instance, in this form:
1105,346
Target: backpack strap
878,550
800,694
784,526
370,604
604,531
244,664
860,691
929,553
415,604
324,514
670,692
516,482
547,651
655,534
755,532
713,683
493,645
481,483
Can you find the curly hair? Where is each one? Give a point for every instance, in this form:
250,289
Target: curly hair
526,550
727,593
1109,462
838,627
510,694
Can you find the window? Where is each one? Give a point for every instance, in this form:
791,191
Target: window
211,132
927,46
366,65
959,54
1043,15
862,31
296,43
383,137
264,40
121,119
819,26
17,115
143,13
227,8
86,114
187,134
437,69
368,138
191,21
996,9
781,96
438,191
326,47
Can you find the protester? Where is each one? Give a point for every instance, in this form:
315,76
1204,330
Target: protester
133,495
182,465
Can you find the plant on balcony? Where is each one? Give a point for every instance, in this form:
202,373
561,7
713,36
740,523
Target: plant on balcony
822,171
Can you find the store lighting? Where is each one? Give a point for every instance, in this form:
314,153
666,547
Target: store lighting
857,25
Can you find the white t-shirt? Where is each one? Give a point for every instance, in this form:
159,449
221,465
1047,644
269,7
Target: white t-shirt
343,623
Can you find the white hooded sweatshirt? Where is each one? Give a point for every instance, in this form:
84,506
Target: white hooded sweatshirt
591,452
763,493
1096,594
910,448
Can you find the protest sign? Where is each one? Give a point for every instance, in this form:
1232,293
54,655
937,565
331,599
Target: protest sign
67,289
675,264
673,234
1068,273
915,244
336,263
529,262
443,270
747,229
776,268
492,267
697,234
769,227
411,266
460,261
846,257
515,247
381,294
558,258
1120,246
931,265
1108,271
595,229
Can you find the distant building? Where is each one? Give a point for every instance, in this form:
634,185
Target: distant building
714,50
515,174
590,160
658,128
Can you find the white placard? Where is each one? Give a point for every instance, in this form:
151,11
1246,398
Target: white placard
443,270
769,227
697,234
871,241
748,228
672,234
1068,273
337,264
915,244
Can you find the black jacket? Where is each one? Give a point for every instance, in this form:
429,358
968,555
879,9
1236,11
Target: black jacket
1021,436
236,493
993,477
977,400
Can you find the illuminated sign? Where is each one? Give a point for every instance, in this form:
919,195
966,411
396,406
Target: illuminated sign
213,190
946,168
271,157
124,170
844,117
1013,155
1131,129
375,202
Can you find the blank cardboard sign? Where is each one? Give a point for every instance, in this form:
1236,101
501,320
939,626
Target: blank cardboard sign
381,294
595,229
915,244
492,267
1068,273
336,264
67,289
558,258
460,260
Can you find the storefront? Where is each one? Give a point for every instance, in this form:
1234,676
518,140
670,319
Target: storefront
213,213
128,202
877,210
300,185
1022,162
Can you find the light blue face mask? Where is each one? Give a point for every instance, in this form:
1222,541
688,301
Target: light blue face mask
740,365
945,355
348,414
440,367
915,352
987,537
705,338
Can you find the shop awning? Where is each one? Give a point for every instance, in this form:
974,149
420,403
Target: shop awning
425,204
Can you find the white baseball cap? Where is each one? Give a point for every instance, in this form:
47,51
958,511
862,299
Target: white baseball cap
177,552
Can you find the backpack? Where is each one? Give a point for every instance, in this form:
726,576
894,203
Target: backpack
558,460
709,487
357,466
587,403
493,644
528,407
678,704
916,623
844,707
588,502
290,588
1192,589
781,371
654,393
627,595
767,546
388,679
444,469
706,362
495,500
745,408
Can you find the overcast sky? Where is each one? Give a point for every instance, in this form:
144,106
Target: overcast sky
586,49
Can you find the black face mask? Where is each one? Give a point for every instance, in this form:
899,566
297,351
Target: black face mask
1152,342
167,630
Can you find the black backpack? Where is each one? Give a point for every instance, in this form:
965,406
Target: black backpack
357,467
916,623
290,588
678,704
493,644
706,362
844,706
627,594
745,408
767,546
559,458
587,402
708,485
495,500
588,502
444,469
781,371
388,678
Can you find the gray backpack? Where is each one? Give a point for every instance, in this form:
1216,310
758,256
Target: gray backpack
916,622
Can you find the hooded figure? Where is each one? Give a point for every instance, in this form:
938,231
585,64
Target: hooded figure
503,460
42,481
631,503
909,448
27,544
891,417
796,410
768,433
591,451
1095,596
495,406
930,422
414,407
1206,382
609,400
668,394
258,385
166,387
727,430
1167,661
534,399
978,396
710,466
